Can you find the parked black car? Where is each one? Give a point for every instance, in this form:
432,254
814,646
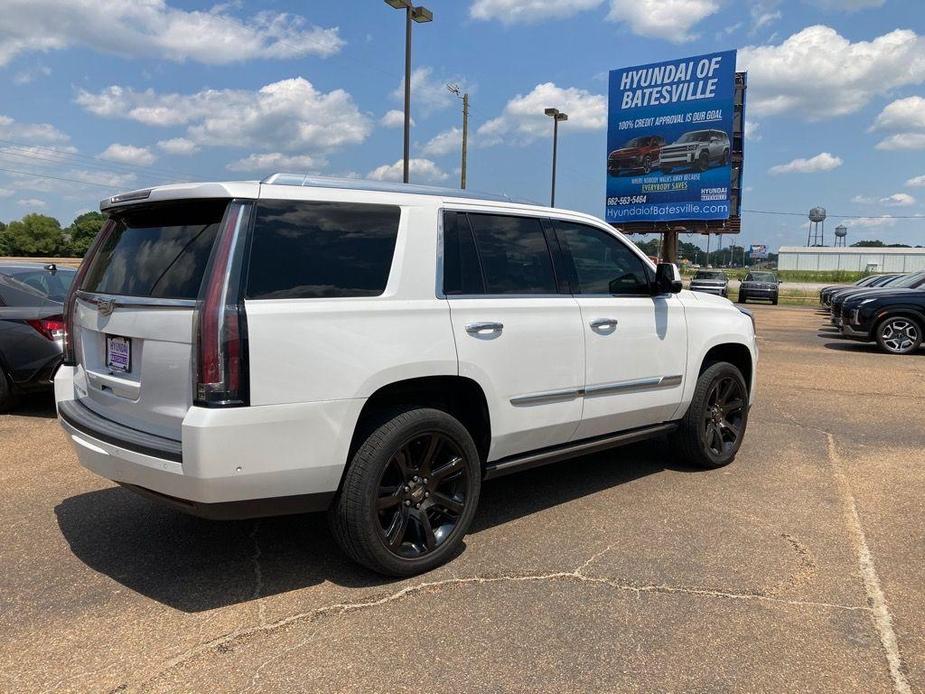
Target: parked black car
31,326
759,285
826,294
895,320
913,281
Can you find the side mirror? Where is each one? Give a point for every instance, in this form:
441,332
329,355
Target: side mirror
667,278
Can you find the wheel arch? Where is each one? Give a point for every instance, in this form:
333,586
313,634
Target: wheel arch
736,353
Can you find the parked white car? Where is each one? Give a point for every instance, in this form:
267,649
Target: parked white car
377,351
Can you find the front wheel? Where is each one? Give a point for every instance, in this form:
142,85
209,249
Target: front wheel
713,427
703,161
6,393
409,493
899,335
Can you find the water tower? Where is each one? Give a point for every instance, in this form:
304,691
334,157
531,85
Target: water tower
816,236
841,233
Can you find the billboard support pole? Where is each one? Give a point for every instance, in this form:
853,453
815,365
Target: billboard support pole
670,247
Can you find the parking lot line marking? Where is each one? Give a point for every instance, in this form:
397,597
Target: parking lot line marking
880,612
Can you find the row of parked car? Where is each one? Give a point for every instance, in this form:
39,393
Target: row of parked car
697,149
760,285
888,309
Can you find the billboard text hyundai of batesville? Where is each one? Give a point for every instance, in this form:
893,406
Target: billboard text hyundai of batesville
669,135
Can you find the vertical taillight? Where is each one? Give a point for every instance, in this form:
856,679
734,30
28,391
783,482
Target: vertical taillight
70,352
220,351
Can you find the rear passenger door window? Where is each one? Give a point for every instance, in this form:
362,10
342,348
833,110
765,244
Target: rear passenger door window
307,249
513,254
602,263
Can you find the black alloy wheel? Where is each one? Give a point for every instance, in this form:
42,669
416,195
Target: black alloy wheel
899,335
723,416
409,492
422,494
646,165
713,427
703,161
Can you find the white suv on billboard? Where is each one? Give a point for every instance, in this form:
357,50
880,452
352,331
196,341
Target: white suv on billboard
377,351
698,149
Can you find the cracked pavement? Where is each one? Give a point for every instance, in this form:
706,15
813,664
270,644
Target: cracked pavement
797,567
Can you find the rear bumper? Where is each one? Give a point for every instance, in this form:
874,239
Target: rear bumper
230,463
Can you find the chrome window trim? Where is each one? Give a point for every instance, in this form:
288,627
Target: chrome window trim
125,301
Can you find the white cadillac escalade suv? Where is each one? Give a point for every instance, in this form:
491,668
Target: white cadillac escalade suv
377,351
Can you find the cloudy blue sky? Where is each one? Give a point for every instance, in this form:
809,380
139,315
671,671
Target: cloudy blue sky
100,96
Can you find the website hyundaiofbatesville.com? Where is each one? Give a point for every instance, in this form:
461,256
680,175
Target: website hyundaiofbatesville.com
675,210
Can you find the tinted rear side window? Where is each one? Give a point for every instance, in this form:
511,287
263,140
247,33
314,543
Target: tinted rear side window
159,251
461,271
321,249
513,254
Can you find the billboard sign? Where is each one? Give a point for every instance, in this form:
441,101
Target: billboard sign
758,252
669,138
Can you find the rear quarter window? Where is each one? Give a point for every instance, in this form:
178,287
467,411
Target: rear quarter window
304,249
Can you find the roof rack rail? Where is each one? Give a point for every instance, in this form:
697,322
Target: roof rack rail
290,179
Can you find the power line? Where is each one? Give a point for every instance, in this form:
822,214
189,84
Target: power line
839,216
99,184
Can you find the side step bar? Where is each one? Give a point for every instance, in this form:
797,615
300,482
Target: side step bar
525,461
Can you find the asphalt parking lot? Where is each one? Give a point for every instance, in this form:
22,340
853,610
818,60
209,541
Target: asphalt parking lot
799,567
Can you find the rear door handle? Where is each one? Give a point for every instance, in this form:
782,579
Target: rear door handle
484,327
604,323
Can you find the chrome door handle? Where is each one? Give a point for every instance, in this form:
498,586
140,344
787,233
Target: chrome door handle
485,327
604,323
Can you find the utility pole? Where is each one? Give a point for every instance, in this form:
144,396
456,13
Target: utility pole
556,116
420,15
454,89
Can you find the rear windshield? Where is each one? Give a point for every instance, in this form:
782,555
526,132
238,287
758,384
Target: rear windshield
160,251
321,249
21,287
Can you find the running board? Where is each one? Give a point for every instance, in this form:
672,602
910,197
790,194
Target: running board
525,461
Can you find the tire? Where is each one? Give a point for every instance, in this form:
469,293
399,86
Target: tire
703,161
774,301
7,399
898,335
646,166
696,438
409,493
725,159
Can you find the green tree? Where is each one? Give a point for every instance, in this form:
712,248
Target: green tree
34,234
868,244
82,231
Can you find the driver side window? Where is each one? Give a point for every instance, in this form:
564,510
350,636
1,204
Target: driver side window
603,263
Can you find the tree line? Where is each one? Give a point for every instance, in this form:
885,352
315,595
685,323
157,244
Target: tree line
41,235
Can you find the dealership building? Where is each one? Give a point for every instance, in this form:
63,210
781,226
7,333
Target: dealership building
851,259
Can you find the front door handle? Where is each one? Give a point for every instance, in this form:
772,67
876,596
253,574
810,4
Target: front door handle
484,327
604,323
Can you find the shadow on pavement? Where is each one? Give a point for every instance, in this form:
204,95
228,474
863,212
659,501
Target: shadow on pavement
867,348
192,564
35,405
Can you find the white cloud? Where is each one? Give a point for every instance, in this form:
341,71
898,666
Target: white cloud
523,121
31,74
916,182
884,221
32,202
29,132
394,119
290,115
420,169
443,143
155,29
817,73
902,114
7,193
429,93
273,162
178,146
128,154
898,200
863,199
903,141
528,11
665,19
751,130
821,162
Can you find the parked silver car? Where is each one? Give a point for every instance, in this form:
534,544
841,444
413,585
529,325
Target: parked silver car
711,282
697,149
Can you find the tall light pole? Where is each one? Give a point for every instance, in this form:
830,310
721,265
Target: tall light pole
454,89
556,116
420,15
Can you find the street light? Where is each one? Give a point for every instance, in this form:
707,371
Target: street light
556,116
420,15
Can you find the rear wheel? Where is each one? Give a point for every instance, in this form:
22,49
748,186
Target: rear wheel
713,427
409,493
703,161
6,393
899,335
774,300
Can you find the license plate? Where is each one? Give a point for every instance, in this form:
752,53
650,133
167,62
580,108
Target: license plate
118,353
